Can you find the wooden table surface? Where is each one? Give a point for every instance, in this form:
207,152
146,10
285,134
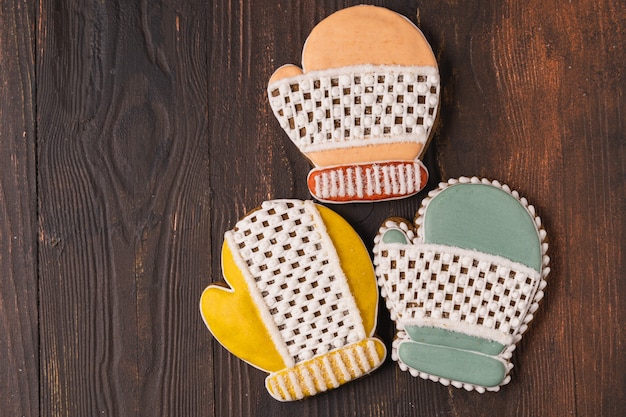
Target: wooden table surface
133,134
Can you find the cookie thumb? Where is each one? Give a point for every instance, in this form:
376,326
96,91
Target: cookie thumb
235,321
286,71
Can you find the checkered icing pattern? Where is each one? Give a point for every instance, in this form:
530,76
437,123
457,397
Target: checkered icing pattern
357,106
296,271
425,281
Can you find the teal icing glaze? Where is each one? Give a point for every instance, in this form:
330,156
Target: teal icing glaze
484,218
395,236
442,337
454,364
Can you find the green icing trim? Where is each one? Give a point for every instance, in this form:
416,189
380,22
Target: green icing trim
443,337
484,218
394,236
454,364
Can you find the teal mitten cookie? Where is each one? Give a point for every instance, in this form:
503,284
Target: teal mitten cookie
463,282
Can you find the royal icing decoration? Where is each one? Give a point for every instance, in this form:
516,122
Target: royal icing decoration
363,105
302,301
463,282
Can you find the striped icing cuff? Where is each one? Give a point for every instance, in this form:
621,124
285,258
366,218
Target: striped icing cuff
368,182
326,371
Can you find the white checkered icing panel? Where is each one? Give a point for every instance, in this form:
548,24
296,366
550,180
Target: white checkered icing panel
357,106
296,271
425,282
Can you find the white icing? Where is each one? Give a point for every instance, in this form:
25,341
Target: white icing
342,368
352,363
319,378
355,182
257,298
329,372
298,286
362,358
307,380
372,353
461,277
293,378
357,106
283,387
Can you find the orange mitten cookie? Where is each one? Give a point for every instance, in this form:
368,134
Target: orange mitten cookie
302,301
362,107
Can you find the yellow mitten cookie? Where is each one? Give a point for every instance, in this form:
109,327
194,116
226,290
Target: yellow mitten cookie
362,107
302,301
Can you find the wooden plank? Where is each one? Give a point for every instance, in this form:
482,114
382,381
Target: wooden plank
155,136
124,208
18,212
248,42
532,97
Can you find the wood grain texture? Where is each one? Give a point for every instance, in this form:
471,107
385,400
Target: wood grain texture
521,84
540,107
135,133
19,350
124,208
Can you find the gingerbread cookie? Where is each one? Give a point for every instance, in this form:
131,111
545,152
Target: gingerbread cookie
302,301
362,107
463,282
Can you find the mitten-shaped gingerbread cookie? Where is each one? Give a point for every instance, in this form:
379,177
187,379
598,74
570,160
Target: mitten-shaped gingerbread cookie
302,301
463,282
362,107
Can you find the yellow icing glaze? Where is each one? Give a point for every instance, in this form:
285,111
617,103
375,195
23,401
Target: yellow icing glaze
356,265
365,35
233,318
402,151
235,321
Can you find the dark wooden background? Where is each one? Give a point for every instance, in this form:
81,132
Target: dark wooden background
133,134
